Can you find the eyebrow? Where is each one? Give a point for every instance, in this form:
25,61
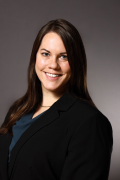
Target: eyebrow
49,51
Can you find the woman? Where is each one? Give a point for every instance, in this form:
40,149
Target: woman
55,131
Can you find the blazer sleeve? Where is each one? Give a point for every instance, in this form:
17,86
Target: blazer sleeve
89,151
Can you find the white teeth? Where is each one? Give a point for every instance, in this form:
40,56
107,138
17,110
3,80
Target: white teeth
52,75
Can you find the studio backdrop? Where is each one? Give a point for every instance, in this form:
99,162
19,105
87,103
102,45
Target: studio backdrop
99,25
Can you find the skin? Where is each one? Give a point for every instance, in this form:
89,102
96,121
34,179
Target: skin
52,62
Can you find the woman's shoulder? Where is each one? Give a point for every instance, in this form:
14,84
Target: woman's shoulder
84,116
84,111
85,108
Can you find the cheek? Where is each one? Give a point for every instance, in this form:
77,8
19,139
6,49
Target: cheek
39,64
66,68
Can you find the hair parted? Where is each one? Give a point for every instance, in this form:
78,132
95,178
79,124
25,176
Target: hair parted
77,84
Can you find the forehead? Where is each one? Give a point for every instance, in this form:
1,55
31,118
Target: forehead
52,41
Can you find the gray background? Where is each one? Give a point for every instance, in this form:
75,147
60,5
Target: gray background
99,25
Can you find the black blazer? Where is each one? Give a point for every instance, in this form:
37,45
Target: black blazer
72,140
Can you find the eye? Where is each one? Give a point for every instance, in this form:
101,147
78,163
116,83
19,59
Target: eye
45,54
64,57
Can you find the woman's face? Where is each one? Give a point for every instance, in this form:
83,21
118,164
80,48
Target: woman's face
51,58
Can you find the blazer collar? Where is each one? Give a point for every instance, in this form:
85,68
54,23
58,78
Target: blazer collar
62,104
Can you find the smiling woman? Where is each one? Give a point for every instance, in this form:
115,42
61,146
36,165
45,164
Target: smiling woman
55,131
52,68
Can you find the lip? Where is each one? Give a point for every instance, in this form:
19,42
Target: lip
52,78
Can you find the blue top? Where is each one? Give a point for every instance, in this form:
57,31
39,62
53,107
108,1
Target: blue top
19,128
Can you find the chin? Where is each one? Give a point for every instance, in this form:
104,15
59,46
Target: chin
52,89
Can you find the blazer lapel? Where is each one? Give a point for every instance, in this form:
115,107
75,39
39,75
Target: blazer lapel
46,118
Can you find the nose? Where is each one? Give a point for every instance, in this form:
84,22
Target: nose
53,63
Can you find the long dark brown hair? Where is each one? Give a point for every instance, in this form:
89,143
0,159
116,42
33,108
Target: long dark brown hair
77,85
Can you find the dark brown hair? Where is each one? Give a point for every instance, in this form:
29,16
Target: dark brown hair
77,85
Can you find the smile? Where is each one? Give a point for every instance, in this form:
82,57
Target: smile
53,75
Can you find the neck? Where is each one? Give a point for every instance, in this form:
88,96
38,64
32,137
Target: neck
50,98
